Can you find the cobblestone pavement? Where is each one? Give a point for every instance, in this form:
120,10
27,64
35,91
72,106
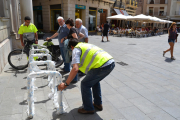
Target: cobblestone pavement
148,88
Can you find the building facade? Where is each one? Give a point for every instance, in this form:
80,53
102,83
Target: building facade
139,9
174,14
157,8
92,12
127,6
11,12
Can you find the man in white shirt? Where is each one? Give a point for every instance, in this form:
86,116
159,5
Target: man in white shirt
82,29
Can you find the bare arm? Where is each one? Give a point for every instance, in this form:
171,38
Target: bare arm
53,36
81,35
71,76
74,35
86,40
36,38
21,38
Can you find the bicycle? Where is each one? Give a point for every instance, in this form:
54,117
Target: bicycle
18,58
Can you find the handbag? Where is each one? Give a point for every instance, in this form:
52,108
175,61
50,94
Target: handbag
177,35
67,52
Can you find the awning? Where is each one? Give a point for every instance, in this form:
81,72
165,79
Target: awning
123,12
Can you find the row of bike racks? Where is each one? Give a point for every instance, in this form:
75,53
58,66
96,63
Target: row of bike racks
54,79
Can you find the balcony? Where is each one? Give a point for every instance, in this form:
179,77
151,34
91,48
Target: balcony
118,5
132,3
157,2
157,14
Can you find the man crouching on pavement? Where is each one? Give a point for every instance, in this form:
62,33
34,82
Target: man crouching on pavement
97,64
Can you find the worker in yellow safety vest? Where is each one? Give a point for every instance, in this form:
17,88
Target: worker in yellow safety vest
28,33
96,64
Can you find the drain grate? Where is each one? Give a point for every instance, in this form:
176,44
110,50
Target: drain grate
131,44
122,63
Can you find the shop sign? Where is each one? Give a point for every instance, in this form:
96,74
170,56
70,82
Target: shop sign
80,7
37,8
100,10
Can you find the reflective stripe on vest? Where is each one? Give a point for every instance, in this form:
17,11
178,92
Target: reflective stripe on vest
85,54
91,57
87,68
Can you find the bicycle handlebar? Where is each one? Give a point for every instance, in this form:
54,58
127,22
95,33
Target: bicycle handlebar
48,40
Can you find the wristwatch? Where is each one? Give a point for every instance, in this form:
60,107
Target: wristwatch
66,84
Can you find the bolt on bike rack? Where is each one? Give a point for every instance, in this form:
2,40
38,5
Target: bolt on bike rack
57,94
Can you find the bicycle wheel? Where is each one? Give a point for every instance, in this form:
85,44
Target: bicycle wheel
59,61
18,59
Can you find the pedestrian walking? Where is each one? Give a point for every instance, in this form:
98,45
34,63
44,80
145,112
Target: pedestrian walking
105,31
62,32
172,31
97,64
81,28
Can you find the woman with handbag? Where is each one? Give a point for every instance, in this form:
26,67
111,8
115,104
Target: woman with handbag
172,39
73,33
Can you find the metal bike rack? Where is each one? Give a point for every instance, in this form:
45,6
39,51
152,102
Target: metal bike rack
56,76
54,79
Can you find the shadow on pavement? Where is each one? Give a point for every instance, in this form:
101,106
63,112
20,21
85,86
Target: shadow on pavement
24,102
12,70
73,114
168,60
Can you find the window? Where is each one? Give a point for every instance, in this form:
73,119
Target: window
92,18
55,13
161,11
2,8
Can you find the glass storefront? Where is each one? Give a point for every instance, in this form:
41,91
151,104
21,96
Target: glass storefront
92,18
38,20
55,11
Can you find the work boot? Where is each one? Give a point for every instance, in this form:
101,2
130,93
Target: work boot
83,111
99,107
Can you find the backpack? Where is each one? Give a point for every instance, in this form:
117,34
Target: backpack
67,52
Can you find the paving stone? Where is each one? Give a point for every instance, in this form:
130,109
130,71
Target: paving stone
134,85
113,82
133,113
127,92
118,100
160,115
153,97
144,105
12,117
107,90
169,107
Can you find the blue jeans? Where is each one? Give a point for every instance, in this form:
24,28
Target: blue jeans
92,80
171,40
66,65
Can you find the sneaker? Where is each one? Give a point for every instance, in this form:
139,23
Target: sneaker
164,53
172,58
83,111
99,107
102,41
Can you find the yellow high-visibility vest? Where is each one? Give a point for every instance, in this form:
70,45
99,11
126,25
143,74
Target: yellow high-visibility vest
91,57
